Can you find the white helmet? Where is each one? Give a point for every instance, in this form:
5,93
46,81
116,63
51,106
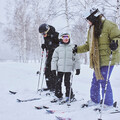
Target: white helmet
92,11
63,34
92,15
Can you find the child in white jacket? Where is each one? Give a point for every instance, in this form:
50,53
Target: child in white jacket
64,62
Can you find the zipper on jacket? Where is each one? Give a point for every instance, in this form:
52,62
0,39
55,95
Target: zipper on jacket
65,58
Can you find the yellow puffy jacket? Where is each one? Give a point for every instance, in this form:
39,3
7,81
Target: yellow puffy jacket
109,32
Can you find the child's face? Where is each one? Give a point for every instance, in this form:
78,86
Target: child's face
65,39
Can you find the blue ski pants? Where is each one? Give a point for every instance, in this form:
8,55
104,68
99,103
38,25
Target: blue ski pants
95,87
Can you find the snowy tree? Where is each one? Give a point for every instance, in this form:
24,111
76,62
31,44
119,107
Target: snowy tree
24,18
22,29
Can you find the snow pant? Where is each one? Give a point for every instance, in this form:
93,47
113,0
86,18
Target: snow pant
50,79
95,87
58,86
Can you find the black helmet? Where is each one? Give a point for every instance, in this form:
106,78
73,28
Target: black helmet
43,28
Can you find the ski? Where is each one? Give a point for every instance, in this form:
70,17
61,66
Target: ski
67,101
114,106
117,111
113,112
50,111
53,111
12,92
19,100
97,109
61,118
41,107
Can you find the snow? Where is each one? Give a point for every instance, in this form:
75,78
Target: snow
21,77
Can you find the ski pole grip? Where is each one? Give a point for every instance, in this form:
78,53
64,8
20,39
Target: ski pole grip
75,45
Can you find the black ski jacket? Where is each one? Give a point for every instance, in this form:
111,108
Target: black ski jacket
51,41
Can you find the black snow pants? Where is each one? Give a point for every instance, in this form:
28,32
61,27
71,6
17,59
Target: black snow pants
58,86
50,79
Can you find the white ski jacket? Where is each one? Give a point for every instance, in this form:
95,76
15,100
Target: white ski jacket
63,59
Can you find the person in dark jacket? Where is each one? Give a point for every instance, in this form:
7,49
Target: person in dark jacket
51,41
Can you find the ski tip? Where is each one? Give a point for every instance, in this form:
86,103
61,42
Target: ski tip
38,108
41,107
115,112
18,100
50,111
61,118
12,92
45,107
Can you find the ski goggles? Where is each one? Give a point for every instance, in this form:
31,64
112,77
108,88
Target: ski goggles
65,37
44,33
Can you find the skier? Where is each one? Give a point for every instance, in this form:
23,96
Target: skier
63,62
51,41
103,37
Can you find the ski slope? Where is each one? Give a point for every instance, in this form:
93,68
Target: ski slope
22,78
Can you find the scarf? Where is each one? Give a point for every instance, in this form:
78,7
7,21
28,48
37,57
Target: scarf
94,54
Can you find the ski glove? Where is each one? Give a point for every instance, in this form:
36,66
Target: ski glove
38,72
75,49
114,45
43,46
54,73
77,71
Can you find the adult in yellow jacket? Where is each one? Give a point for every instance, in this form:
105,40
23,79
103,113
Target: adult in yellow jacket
103,37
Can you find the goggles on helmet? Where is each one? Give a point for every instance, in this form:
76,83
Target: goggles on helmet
44,33
65,37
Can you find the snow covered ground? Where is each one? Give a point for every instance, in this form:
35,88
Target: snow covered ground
21,77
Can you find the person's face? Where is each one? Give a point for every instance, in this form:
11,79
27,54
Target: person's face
65,38
45,33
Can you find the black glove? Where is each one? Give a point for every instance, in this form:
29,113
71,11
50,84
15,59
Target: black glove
43,46
38,72
54,73
75,49
77,71
114,45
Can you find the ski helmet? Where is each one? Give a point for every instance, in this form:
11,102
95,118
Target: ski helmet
44,28
91,14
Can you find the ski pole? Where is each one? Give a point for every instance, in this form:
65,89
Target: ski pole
43,72
105,86
71,80
39,72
